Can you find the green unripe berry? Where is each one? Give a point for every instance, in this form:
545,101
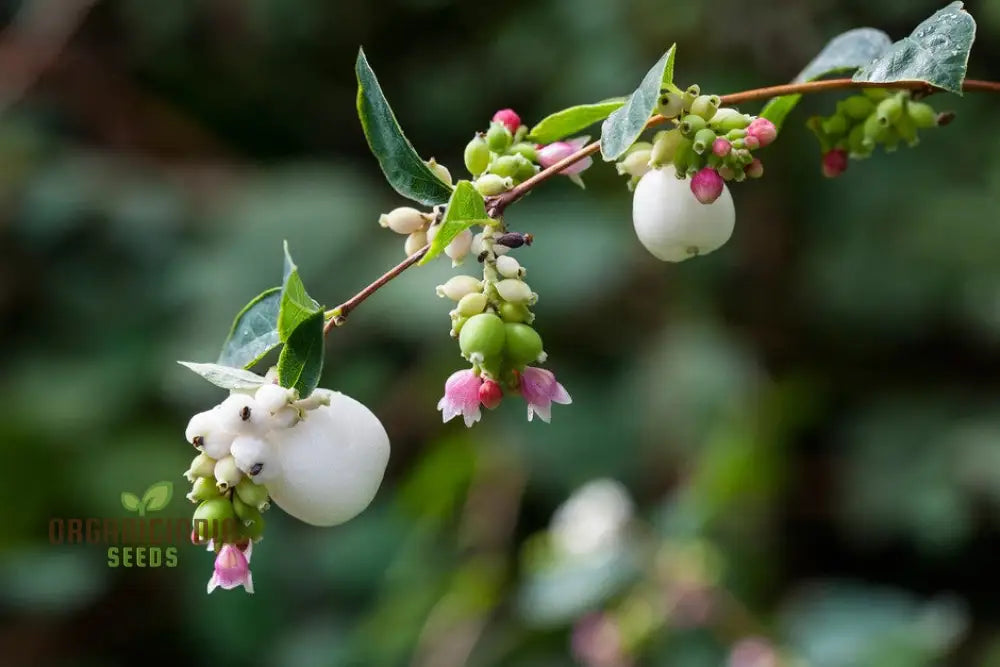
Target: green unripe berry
907,130
493,184
471,304
856,144
481,337
203,489
525,170
685,158
665,147
691,124
874,130
835,125
202,465
689,96
515,312
215,519
857,107
505,165
727,118
477,155
889,110
524,345
439,170
922,114
457,322
703,140
525,149
252,494
706,106
250,519
498,138
670,105
875,94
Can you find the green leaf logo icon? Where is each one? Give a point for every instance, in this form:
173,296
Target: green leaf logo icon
130,501
154,499
157,496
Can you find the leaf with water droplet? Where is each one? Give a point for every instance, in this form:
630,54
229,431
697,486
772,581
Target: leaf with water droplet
936,53
845,52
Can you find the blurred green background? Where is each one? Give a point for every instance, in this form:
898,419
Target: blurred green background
807,422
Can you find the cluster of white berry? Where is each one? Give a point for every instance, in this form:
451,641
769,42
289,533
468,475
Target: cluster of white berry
321,459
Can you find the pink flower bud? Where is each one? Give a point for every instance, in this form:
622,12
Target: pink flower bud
508,118
751,142
490,394
762,130
721,147
461,397
707,185
540,390
755,169
232,569
834,162
559,150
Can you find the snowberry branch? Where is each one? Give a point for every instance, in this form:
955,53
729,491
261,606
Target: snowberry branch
496,205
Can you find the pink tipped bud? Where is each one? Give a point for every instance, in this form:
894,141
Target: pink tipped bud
508,118
721,147
755,169
751,142
834,162
490,394
707,185
762,130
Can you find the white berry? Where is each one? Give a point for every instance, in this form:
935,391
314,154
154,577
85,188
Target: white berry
205,431
271,397
256,458
672,224
332,462
239,413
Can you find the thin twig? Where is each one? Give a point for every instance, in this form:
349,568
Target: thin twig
496,205
338,315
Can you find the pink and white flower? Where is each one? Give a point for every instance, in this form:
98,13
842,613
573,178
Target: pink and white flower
540,389
232,568
461,397
559,150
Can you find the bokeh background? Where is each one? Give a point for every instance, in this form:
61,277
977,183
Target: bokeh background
798,435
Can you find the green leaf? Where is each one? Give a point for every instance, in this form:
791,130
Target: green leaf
403,168
570,121
301,360
296,304
254,332
465,209
226,377
157,496
623,127
130,501
845,52
936,52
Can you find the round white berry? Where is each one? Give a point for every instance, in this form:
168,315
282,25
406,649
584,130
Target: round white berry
256,458
272,397
672,224
206,432
239,414
332,462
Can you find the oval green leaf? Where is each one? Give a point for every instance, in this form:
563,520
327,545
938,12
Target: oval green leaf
157,496
300,363
936,52
296,305
621,129
465,209
226,377
403,168
254,332
130,501
845,52
572,120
